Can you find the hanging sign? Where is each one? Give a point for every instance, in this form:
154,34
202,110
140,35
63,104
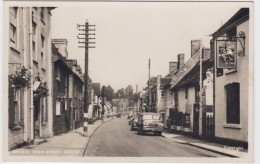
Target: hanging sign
226,54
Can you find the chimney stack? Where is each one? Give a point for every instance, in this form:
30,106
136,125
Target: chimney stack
206,53
172,66
195,46
180,60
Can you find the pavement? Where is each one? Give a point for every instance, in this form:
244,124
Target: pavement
210,146
72,143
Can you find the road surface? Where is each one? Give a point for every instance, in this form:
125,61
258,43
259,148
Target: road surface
115,139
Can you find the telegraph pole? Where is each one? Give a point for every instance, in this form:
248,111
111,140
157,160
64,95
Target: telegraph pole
83,38
149,91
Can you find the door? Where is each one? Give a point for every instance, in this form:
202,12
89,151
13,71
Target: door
195,119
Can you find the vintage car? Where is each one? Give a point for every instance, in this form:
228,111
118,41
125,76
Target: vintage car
134,122
149,122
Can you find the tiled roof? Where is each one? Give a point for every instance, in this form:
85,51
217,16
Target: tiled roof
193,76
240,16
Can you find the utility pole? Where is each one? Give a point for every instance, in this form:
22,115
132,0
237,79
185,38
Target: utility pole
200,103
103,100
149,90
83,38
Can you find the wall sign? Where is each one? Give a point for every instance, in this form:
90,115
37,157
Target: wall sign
226,54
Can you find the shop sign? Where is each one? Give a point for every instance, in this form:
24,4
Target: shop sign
226,54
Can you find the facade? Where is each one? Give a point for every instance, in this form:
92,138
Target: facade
29,73
61,98
75,94
232,85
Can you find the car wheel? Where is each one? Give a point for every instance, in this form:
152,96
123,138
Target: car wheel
159,133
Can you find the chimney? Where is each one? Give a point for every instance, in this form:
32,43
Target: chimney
172,66
61,44
206,53
180,60
195,46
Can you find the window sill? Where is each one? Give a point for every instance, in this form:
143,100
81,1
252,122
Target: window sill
16,127
15,49
42,21
35,62
44,123
231,71
232,126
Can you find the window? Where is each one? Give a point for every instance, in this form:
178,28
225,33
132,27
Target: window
34,50
58,108
34,28
13,34
231,34
42,41
162,93
13,27
186,92
15,111
42,60
42,14
233,103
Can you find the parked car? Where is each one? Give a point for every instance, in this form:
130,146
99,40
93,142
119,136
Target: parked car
149,122
118,115
134,123
130,121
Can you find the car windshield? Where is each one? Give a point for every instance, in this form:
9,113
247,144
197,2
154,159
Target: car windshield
151,117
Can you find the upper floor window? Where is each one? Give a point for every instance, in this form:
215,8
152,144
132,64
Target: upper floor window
13,26
231,34
186,92
42,14
233,103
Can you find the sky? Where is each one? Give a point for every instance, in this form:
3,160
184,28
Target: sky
129,33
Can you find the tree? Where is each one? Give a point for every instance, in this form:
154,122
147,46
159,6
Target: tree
109,93
129,94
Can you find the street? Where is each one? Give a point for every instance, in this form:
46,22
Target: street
115,139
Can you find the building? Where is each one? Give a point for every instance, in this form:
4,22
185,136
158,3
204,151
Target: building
29,105
231,76
75,94
61,96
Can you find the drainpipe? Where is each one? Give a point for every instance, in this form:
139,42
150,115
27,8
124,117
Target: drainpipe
26,89
31,69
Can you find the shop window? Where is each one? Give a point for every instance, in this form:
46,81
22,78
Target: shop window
233,103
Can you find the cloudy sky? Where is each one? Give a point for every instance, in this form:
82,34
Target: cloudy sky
129,33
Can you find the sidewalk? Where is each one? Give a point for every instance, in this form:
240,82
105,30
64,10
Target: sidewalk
72,143
210,146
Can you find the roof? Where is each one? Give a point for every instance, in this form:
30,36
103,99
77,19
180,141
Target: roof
193,76
241,16
153,80
165,81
